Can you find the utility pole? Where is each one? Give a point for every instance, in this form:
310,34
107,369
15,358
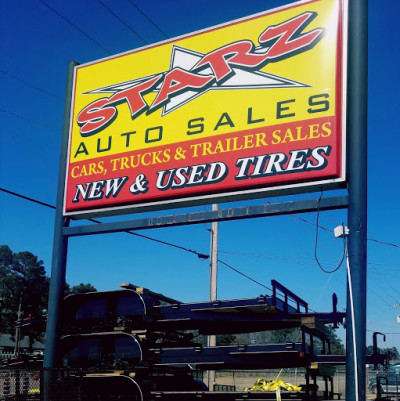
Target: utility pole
18,328
212,340
214,257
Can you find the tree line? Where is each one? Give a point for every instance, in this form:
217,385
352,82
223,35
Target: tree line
24,286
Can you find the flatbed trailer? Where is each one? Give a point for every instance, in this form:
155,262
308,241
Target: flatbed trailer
135,344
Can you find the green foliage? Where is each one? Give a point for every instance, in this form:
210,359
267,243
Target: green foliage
225,339
23,282
288,336
285,336
79,289
337,346
393,353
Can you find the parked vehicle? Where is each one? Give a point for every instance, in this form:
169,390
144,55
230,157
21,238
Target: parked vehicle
387,381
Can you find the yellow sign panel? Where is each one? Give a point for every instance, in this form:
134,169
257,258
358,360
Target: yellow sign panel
253,104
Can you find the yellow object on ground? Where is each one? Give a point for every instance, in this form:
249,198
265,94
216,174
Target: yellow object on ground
273,385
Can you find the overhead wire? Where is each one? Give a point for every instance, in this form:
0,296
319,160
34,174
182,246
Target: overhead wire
123,22
383,242
387,282
311,223
300,260
31,85
148,19
243,274
378,296
316,244
373,331
76,27
27,198
29,120
383,290
198,254
326,229
201,256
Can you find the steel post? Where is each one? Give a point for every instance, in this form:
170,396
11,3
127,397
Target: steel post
357,186
60,241
212,340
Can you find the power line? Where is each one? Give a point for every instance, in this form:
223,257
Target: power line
123,22
149,19
378,296
198,254
387,282
201,256
373,331
75,26
331,231
242,274
379,283
301,260
29,120
383,242
316,245
311,223
31,85
27,198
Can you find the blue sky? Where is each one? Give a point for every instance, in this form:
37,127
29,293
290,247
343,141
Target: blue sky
36,46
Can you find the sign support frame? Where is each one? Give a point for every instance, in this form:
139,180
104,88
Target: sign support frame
60,241
357,110
357,211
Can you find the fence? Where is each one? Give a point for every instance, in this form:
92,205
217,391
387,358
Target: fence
28,384
66,384
11,355
242,379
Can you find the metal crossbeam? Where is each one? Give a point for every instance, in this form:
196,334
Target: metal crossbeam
238,213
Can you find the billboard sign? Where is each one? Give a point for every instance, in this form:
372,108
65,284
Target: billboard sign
234,111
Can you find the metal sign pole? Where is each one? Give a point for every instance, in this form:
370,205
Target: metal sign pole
357,173
60,243
212,340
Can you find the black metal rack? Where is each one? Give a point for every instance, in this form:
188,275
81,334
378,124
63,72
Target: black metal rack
143,335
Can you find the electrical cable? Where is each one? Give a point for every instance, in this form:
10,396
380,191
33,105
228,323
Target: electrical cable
373,331
383,242
148,19
378,296
303,261
198,254
387,282
242,274
31,85
27,198
377,283
123,22
75,26
316,244
311,223
29,120
326,229
201,256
